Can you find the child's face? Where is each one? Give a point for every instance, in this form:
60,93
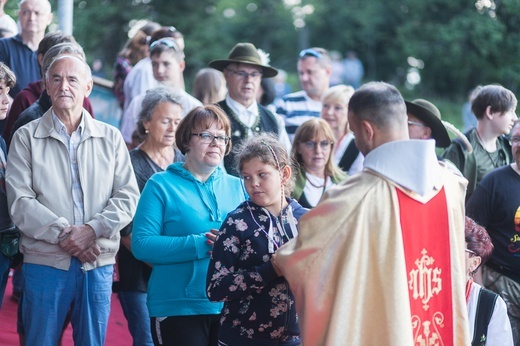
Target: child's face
5,100
263,183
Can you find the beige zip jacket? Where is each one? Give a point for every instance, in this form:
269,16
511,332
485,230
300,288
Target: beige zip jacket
39,193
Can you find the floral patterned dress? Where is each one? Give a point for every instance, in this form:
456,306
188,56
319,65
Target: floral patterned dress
259,308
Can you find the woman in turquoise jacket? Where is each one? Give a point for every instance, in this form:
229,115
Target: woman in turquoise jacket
173,226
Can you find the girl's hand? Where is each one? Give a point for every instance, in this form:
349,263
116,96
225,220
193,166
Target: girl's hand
211,236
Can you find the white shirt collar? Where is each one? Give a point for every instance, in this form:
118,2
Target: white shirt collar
246,115
412,164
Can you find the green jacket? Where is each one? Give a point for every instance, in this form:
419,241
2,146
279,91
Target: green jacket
301,180
466,162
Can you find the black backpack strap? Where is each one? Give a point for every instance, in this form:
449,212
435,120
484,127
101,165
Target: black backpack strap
485,306
349,156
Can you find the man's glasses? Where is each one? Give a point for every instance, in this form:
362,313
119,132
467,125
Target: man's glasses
310,52
208,138
311,145
168,42
470,252
415,123
244,74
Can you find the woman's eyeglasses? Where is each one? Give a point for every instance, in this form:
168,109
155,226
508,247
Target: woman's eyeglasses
208,138
311,145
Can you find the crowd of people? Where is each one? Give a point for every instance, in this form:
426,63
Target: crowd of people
341,215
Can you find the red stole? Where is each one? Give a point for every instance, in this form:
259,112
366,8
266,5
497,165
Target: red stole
426,240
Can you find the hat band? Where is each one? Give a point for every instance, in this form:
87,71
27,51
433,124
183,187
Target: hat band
246,58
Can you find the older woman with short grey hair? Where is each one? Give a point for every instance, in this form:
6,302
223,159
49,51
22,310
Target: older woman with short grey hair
157,124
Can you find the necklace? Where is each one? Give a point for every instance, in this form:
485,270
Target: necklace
162,161
316,186
495,163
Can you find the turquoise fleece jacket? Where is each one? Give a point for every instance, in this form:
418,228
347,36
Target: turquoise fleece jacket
173,215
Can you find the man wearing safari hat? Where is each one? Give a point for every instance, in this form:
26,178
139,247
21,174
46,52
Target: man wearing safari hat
424,122
243,71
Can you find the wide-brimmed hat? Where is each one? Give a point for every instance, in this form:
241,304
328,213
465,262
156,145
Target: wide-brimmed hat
431,116
244,53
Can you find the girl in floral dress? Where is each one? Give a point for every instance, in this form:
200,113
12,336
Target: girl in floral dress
258,308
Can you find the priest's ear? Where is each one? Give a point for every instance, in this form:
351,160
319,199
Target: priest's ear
364,131
368,130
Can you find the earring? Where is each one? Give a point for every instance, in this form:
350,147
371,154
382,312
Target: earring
146,131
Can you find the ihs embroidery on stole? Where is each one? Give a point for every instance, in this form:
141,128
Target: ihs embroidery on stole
424,283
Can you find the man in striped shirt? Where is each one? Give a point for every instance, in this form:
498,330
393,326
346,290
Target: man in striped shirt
314,69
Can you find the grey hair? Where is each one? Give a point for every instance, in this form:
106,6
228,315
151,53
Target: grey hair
70,48
87,70
152,99
47,4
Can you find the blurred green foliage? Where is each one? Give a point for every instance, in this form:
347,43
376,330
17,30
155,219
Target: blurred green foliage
461,43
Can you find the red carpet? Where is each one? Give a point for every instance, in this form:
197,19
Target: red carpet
117,333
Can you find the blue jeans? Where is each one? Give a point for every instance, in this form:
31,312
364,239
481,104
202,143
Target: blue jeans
5,264
49,293
136,313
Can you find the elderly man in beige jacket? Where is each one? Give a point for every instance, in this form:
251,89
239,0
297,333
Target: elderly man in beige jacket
70,188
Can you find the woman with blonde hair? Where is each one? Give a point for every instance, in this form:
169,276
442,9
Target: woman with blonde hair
209,86
334,112
312,150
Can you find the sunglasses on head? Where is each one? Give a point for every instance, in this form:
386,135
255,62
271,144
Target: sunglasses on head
310,52
168,42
